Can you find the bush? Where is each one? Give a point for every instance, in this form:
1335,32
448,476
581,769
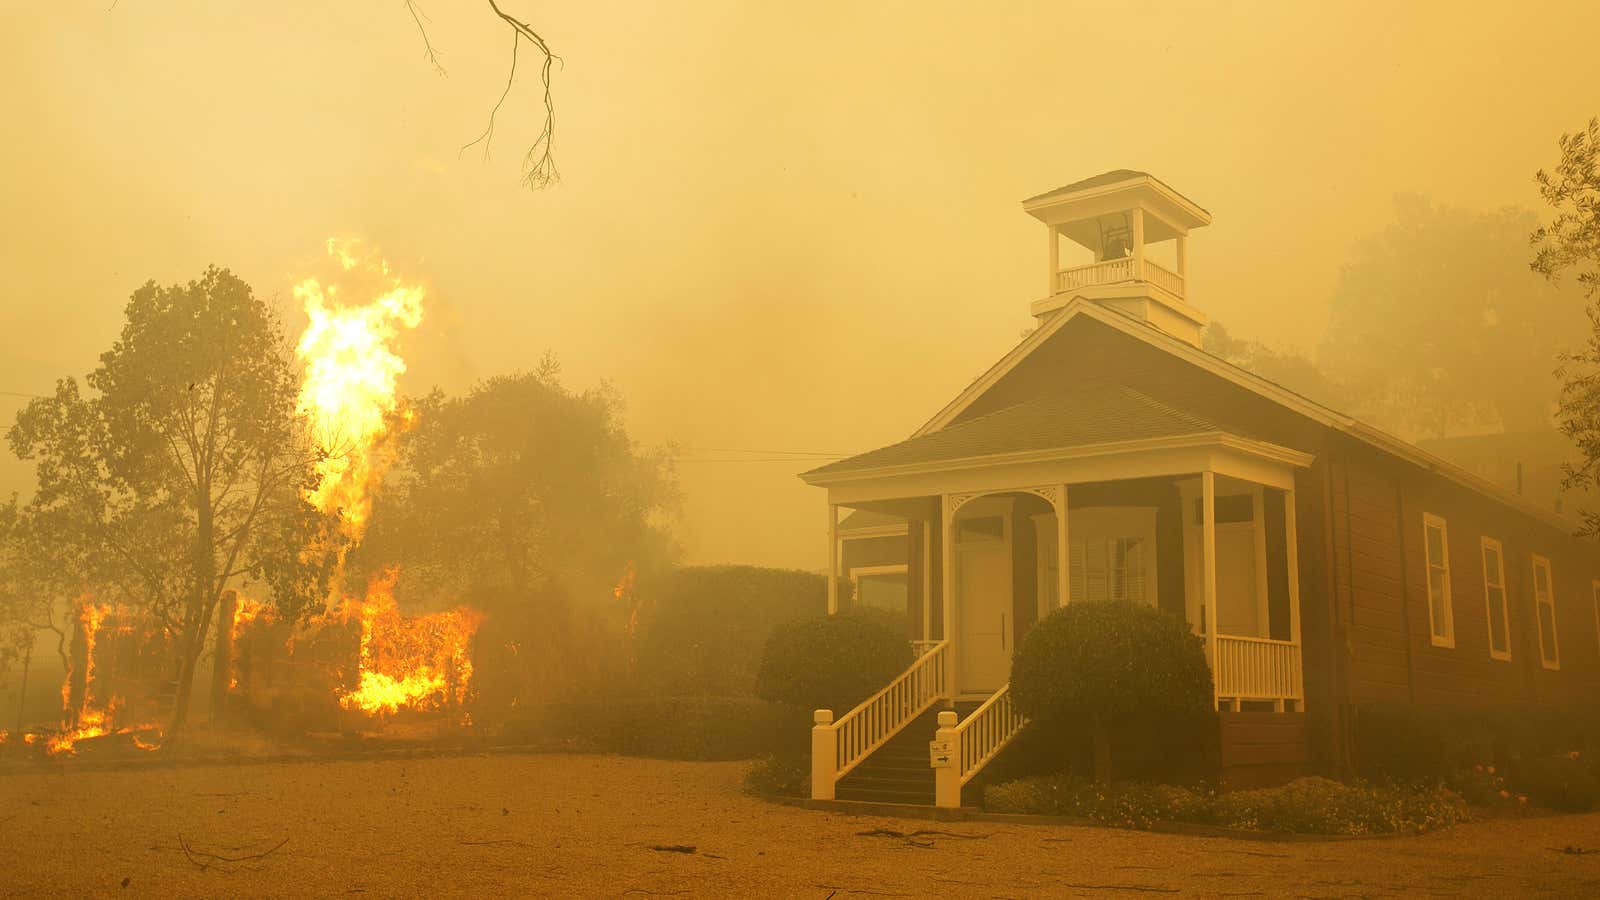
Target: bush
700,728
779,775
1114,667
1562,782
704,631
1432,744
1322,806
831,662
1307,805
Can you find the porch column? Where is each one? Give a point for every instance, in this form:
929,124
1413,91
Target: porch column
1063,556
1055,258
1208,574
1183,256
927,581
1138,244
1292,554
833,558
947,562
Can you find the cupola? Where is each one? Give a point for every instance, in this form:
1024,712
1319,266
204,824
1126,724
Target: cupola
1126,221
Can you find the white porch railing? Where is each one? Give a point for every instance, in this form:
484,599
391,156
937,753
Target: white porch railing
839,746
1254,668
1163,277
972,743
1111,271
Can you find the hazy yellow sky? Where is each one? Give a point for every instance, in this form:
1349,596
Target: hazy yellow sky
781,225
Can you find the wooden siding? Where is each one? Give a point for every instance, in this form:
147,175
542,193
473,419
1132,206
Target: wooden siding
1263,748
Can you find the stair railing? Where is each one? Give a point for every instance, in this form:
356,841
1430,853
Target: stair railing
839,746
960,751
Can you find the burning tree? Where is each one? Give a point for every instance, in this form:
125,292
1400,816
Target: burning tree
185,467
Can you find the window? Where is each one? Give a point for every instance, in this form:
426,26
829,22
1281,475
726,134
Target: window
1441,620
1545,601
1109,569
1494,599
880,587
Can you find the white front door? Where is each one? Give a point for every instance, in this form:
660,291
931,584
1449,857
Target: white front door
983,600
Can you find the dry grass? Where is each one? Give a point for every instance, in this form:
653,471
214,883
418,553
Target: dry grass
611,826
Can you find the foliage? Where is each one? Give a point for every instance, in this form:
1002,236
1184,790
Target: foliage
1570,242
1306,805
1484,786
1112,666
779,775
699,728
1437,327
183,470
1322,806
1286,367
704,630
1562,781
523,488
831,662
1409,742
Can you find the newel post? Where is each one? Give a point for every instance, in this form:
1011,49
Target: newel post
945,757
824,755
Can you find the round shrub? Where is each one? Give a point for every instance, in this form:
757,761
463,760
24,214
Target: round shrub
832,662
1110,666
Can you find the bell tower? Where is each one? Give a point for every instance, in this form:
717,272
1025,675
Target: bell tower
1117,218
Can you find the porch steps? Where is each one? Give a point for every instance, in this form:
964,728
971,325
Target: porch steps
898,772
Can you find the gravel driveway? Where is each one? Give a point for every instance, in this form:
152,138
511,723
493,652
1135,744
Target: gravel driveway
609,826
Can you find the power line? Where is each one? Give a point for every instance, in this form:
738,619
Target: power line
827,454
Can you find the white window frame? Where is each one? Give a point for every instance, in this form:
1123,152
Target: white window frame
1546,659
1484,543
857,571
1448,638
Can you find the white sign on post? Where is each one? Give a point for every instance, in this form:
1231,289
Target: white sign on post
941,754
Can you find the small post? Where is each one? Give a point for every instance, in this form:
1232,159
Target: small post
947,577
824,755
945,757
1063,550
1183,257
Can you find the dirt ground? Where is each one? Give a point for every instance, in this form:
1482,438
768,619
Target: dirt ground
567,825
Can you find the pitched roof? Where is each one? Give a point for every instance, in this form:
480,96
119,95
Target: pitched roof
1085,414
1112,177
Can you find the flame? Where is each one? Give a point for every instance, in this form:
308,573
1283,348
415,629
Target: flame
624,593
349,390
417,662
88,721
246,612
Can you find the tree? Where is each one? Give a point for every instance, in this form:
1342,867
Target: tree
184,471
1284,367
1105,666
1570,242
1436,326
520,489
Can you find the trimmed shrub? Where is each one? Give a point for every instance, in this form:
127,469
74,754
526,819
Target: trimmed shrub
705,630
1408,742
831,662
1563,782
779,775
1109,668
1307,805
1322,806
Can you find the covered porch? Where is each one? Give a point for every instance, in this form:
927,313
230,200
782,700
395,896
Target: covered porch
1203,528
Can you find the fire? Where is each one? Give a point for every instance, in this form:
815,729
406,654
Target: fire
87,721
246,613
418,662
349,391
349,396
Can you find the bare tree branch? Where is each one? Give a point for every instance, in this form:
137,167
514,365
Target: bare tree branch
417,16
538,164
